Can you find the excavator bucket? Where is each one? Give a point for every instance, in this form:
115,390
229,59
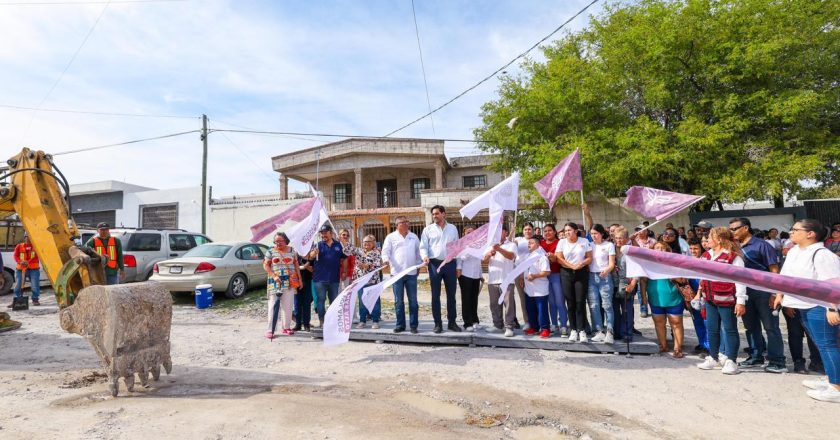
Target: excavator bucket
128,326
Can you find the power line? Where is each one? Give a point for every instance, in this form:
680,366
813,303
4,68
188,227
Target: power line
67,67
249,158
84,112
488,77
423,67
136,141
333,135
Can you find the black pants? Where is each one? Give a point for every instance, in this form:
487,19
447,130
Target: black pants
303,304
575,289
469,299
796,331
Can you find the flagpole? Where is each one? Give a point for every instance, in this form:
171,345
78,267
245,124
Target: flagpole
582,213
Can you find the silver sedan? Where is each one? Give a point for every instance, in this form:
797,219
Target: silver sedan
230,267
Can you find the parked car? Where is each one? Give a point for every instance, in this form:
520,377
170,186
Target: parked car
230,267
142,248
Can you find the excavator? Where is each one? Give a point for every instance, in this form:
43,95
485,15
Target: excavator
128,325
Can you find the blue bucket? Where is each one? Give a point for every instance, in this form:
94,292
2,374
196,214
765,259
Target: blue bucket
203,296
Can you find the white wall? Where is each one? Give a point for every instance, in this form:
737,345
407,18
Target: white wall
188,200
228,222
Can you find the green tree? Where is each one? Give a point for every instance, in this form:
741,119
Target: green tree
733,99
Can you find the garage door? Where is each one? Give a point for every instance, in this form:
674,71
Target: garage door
159,216
91,219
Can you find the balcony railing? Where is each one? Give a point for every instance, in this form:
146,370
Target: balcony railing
374,200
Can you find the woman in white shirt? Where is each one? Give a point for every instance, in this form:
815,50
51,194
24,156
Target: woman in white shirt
601,285
575,255
810,259
468,271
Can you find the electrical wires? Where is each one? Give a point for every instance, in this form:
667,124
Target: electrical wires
136,141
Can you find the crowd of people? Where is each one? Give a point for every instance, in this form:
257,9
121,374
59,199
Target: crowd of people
574,285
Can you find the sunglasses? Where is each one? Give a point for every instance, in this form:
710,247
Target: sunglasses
736,228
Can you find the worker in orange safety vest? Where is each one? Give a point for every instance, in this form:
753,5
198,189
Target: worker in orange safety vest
27,265
110,247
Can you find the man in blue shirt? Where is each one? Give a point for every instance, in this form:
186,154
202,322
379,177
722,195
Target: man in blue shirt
329,263
433,243
760,255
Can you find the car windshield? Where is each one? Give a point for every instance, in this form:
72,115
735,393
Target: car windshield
209,251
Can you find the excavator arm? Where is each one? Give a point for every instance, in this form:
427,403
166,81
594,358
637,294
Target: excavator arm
127,325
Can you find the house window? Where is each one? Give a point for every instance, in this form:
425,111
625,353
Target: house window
343,192
475,181
418,185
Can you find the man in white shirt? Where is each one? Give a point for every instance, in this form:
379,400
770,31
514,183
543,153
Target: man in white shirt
401,250
433,243
500,262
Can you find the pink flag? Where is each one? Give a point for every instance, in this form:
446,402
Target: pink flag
473,243
565,177
658,265
296,212
657,203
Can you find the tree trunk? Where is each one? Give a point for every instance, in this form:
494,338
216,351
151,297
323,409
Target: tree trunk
778,202
719,205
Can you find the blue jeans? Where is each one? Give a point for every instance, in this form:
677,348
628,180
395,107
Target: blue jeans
406,285
600,297
363,311
537,307
623,317
556,301
34,279
827,339
717,316
700,328
323,291
760,315
111,279
450,283
303,304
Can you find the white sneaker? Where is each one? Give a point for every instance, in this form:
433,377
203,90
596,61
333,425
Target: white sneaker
375,326
730,367
508,333
827,394
564,331
469,328
722,358
708,364
815,384
599,337
360,325
609,339
573,335
582,337
476,328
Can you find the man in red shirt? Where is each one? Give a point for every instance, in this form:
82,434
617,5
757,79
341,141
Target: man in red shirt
27,266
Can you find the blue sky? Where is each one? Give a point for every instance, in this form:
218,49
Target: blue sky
349,67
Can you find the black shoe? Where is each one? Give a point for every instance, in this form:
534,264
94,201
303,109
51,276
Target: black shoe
399,329
799,367
454,327
516,325
438,329
816,368
636,332
297,328
414,330
776,368
751,363
307,328
698,348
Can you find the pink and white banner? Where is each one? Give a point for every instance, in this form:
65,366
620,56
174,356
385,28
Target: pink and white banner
658,265
473,244
657,203
564,177
504,196
372,293
296,212
339,317
519,269
302,235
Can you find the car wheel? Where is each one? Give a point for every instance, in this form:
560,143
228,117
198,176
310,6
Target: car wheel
237,286
7,282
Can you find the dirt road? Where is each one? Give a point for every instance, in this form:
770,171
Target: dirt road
229,382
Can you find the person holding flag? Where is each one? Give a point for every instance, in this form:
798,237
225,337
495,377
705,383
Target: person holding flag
468,271
499,260
400,251
367,259
433,243
330,261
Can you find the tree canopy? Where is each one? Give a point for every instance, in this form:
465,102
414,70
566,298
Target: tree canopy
733,99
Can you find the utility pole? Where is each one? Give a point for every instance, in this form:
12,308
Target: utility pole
204,175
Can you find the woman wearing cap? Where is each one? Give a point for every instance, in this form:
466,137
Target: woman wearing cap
810,259
281,265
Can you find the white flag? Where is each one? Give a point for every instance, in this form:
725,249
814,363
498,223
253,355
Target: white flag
504,196
339,317
302,235
517,270
372,293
